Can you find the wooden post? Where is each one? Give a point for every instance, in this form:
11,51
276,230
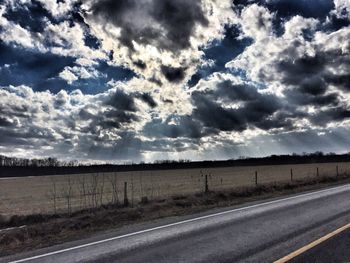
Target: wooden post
256,178
206,184
126,201
291,175
317,172
132,189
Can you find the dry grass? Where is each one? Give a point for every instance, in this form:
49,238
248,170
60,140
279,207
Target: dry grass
44,195
45,230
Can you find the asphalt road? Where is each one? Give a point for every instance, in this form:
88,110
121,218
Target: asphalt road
336,250
258,232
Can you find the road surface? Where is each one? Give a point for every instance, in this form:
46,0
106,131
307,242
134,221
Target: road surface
336,249
257,232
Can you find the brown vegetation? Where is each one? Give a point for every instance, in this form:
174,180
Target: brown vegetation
69,193
56,228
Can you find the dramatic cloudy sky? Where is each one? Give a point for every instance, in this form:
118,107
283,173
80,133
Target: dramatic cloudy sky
122,80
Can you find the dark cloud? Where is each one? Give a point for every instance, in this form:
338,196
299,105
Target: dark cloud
166,24
121,109
85,114
308,81
311,91
110,119
147,98
126,149
122,101
215,116
295,71
185,127
140,64
297,97
254,108
335,114
107,126
120,116
173,74
342,81
310,78
313,86
29,135
5,122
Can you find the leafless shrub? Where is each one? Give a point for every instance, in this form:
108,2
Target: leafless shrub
53,194
101,189
93,190
152,186
82,192
141,184
67,193
113,180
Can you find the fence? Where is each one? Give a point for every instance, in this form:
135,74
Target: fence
67,193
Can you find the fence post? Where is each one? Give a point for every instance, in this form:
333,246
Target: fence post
132,189
317,172
337,168
291,175
256,178
126,201
206,184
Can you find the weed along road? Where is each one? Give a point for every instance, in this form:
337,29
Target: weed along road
258,232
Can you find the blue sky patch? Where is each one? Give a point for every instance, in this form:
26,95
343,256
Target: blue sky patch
222,52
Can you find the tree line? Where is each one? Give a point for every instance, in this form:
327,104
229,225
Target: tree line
6,161
12,166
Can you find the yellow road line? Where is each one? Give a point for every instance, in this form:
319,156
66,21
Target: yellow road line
312,244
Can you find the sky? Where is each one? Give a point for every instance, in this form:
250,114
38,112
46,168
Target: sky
144,80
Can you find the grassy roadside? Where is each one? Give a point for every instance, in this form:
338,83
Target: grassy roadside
46,230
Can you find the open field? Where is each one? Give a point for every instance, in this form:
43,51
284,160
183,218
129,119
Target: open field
60,193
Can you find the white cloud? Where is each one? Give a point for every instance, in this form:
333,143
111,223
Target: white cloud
68,75
64,38
259,59
12,33
256,22
217,13
342,8
58,9
68,40
71,74
65,122
43,123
